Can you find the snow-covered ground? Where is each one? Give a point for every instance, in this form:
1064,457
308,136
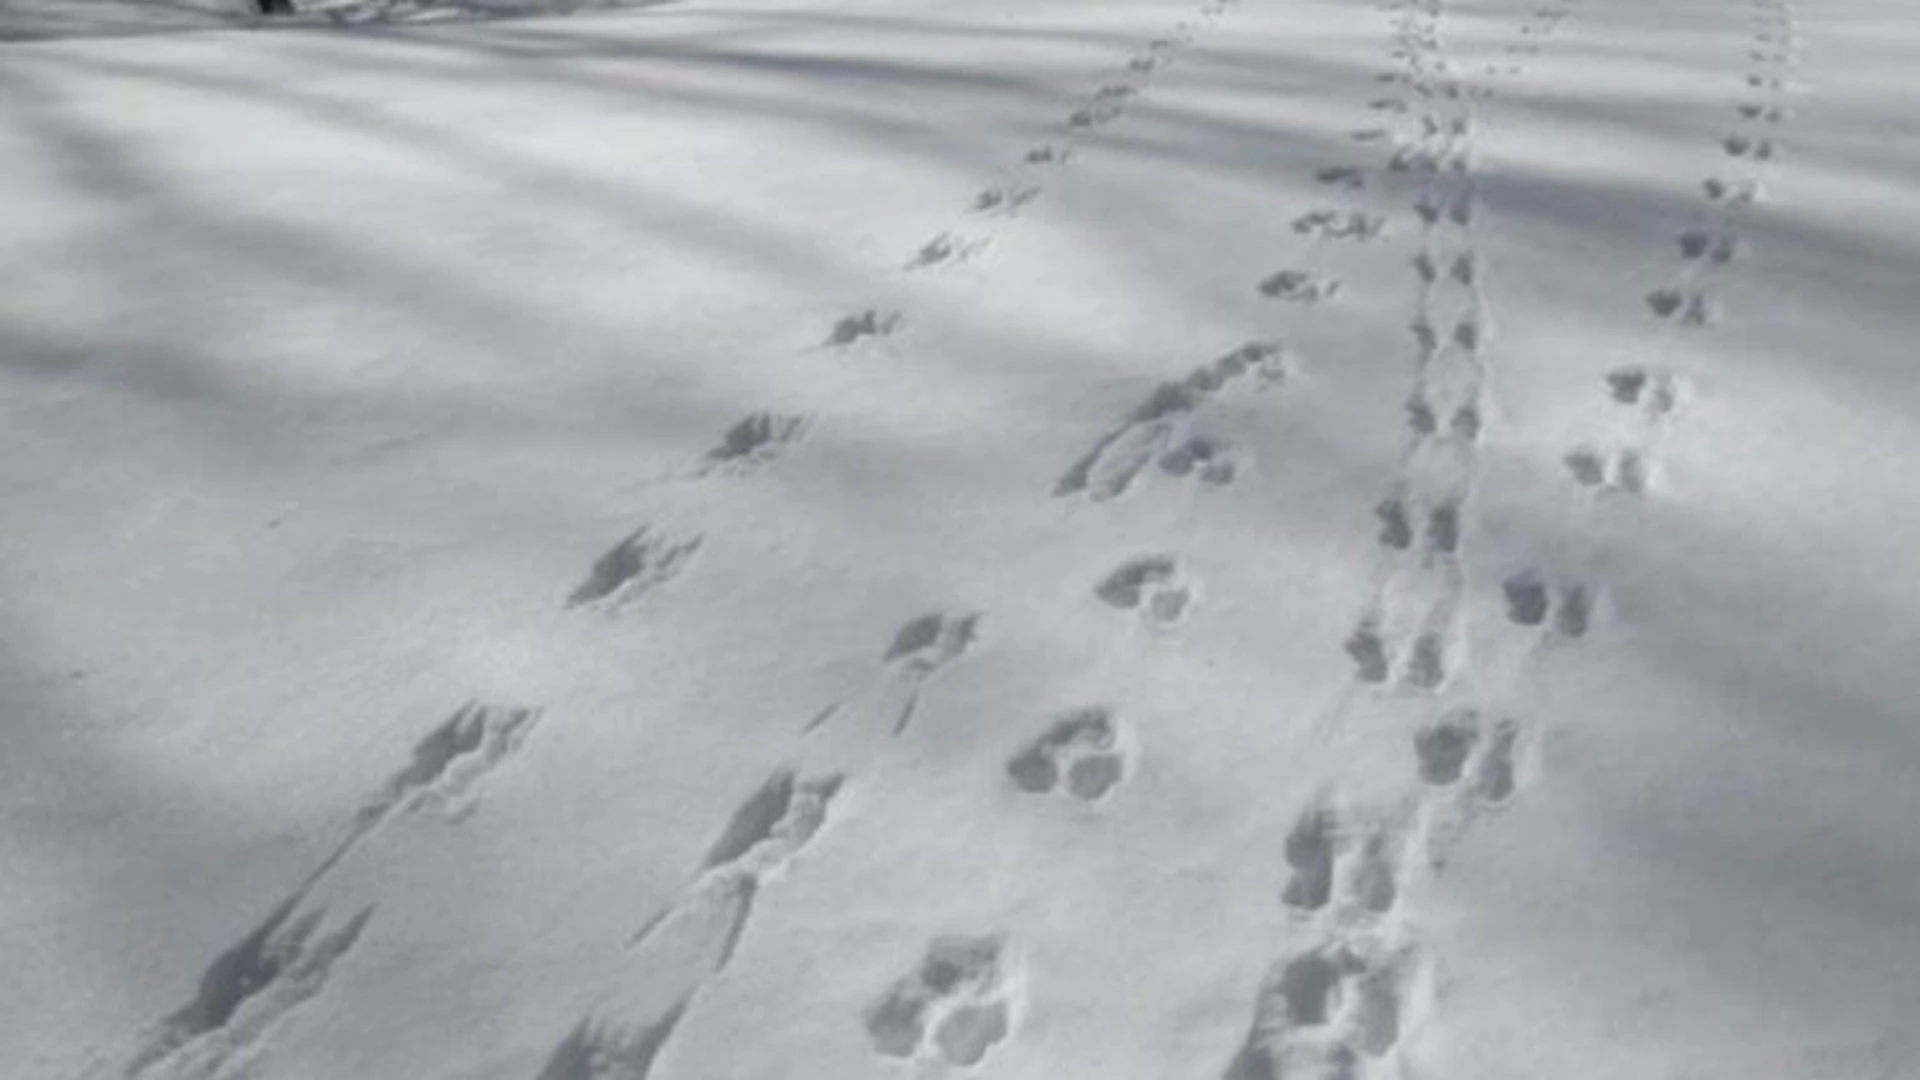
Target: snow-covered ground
1026,539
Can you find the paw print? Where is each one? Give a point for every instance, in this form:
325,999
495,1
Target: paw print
1081,751
1153,585
954,1008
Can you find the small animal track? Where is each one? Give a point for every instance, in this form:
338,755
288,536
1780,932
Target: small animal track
945,249
1462,751
597,1050
1005,199
285,962
450,762
1350,177
1623,471
953,1009
756,441
928,643
1687,307
1654,392
922,648
862,325
1349,861
1095,114
638,564
1531,601
1153,585
1339,225
1156,430
774,823
1080,752
765,834
1701,245
1299,286
1323,1012
1732,193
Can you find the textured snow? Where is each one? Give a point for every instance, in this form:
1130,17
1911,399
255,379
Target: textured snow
788,539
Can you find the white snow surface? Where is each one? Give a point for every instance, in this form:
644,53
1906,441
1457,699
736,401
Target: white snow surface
752,539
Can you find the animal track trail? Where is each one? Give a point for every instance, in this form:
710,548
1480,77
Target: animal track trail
1080,755
953,1009
642,561
1159,430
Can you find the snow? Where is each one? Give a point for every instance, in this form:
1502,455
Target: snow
788,538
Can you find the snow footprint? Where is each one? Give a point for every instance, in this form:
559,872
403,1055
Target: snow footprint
639,563
1153,585
1341,861
1081,751
953,1009
1299,286
756,441
1461,752
861,325
1532,601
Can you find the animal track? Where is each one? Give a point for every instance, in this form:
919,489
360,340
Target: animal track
1322,1011
1369,652
1153,585
1300,286
945,248
633,567
1081,749
1622,470
1732,192
1095,114
244,993
450,761
863,324
1688,307
1346,176
1530,602
774,823
1005,199
1460,748
1209,459
596,1050
1339,225
1742,146
1309,852
1655,392
1699,245
757,440
1156,429
1441,528
953,1009
1048,155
